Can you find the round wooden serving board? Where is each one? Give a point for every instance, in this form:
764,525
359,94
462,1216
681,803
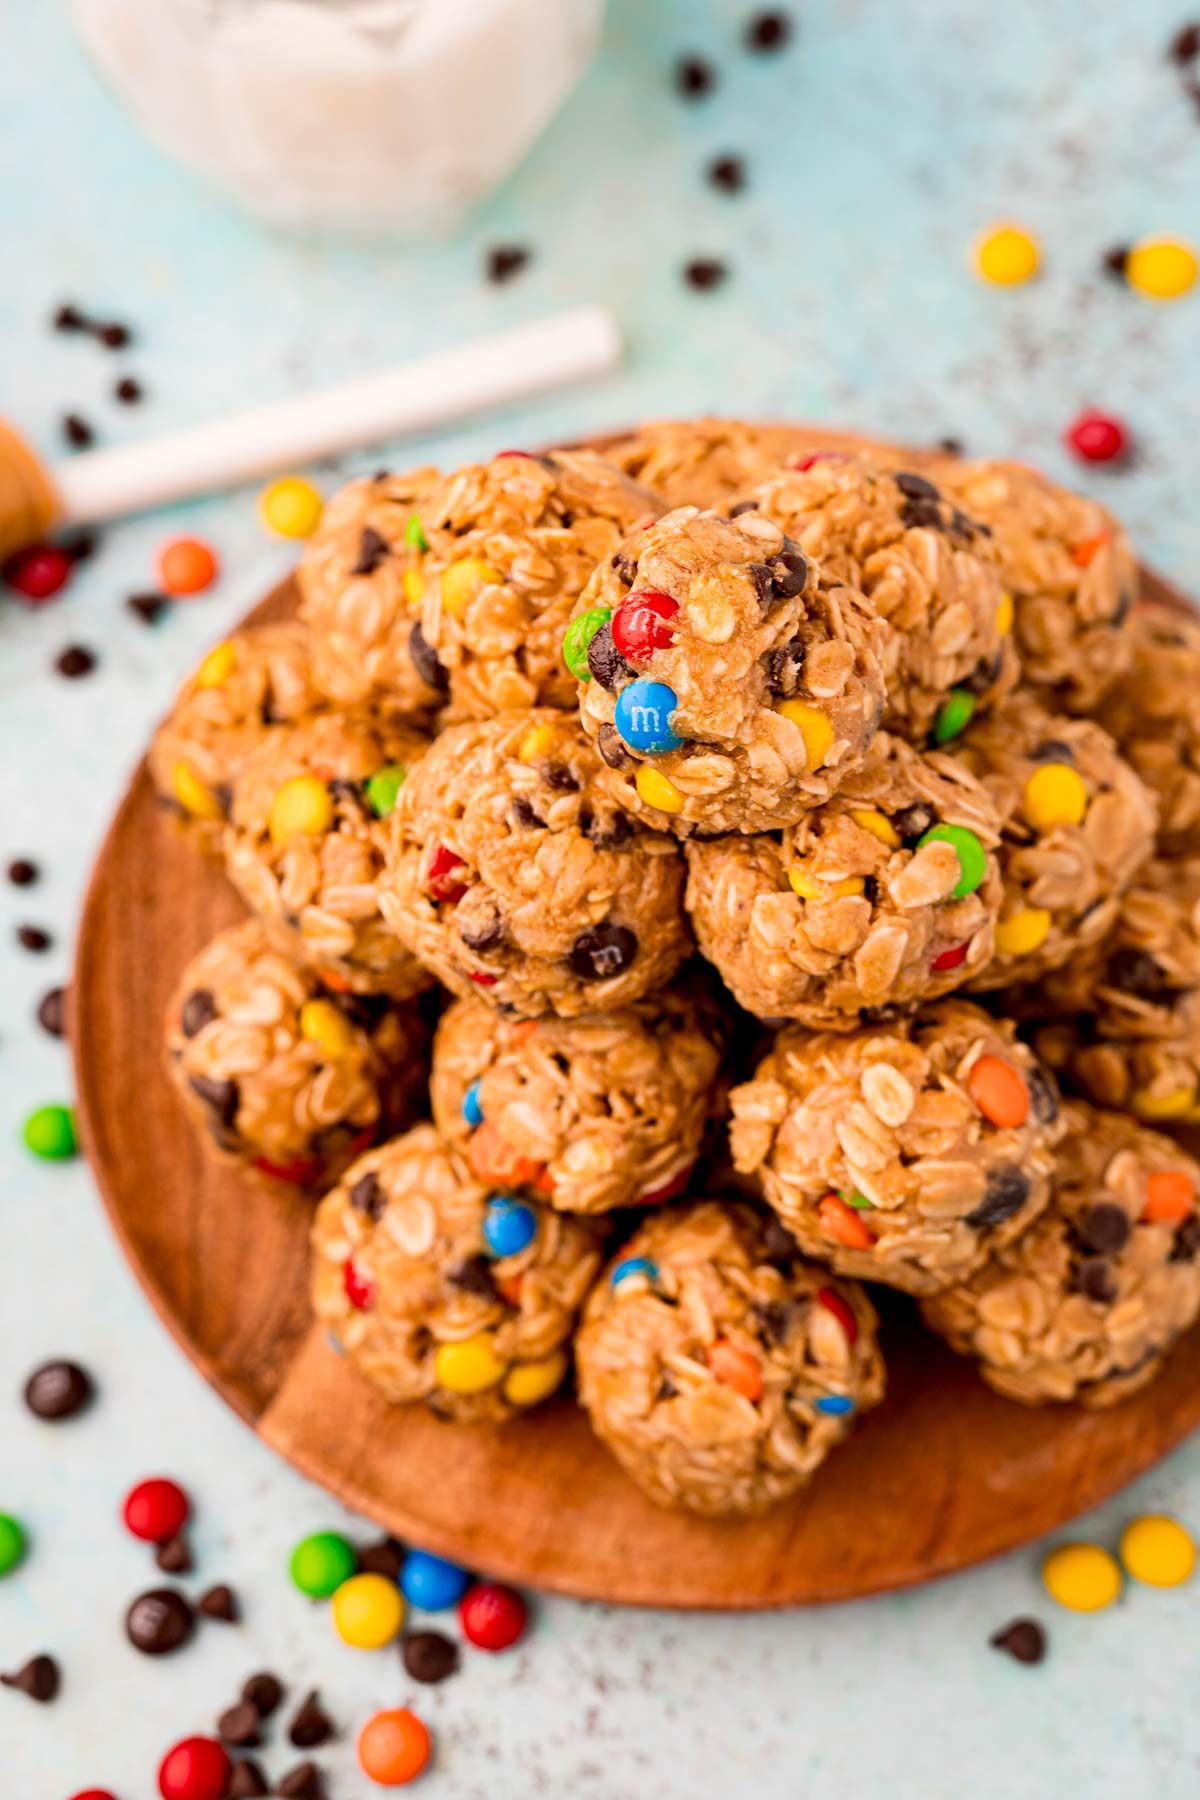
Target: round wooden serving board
943,1475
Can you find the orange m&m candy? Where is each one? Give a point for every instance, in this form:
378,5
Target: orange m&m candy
490,1158
393,1747
736,1368
186,566
1170,1195
844,1225
999,1092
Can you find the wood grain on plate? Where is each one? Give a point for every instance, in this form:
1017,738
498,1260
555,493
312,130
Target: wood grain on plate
942,1476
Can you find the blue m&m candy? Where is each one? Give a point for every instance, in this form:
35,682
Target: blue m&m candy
835,1406
631,1269
509,1226
643,716
471,1110
430,1582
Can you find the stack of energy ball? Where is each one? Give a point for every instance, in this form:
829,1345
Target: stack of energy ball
885,738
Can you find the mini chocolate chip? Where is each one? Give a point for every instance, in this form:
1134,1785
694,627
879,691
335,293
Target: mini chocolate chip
159,1621
524,813
560,778
603,951
69,318
197,1011
174,1557
349,792
984,675
239,1725
916,487
1044,1094
922,515
1135,971
113,337
1185,45
32,937
221,1096
220,1603
913,821
612,832
425,660
1024,1640
474,1276
77,431
39,1679
367,1196
384,1558
248,1781
147,607
789,571
484,936
964,527
727,173
429,1657
128,391
743,506
304,1782
1106,1228
953,446
1187,1240
1052,750
1095,1279
1006,1192
81,545
372,548
1123,607
52,1012
1115,260
263,1691
767,32
505,261
625,567
771,1317
704,273
785,667
311,1725
75,662
606,662
778,1242
612,750
667,1389
694,77
58,1390
22,873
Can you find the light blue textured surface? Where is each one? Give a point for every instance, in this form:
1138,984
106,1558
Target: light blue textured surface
876,148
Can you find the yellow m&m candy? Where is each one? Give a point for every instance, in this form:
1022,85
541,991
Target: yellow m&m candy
291,508
657,791
469,1367
1158,1551
1161,268
217,667
302,807
1006,255
192,794
327,1027
1055,794
815,729
463,580
1082,1577
368,1611
528,1383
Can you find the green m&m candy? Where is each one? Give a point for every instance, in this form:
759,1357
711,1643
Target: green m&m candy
49,1131
13,1543
972,857
383,789
414,534
954,715
321,1563
579,635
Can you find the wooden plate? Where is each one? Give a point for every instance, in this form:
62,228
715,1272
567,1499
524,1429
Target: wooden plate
942,1476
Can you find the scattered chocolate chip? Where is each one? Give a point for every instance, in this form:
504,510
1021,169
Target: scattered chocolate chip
778,1242
425,660
239,1725
304,1782
914,821
704,273
727,173
77,431
922,515
505,261
1106,1228
221,1603
916,487
1115,261
771,1318
80,545
603,951
625,567
1185,45
952,446
429,1657
69,318
784,667
113,336
694,77
221,1096
1024,1640
1052,750
372,548
58,1390
174,1557
985,674
525,814
39,1679
1044,1094
197,1011
474,1276
1095,1279
667,1389
248,1781
311,1725
159,1621
32,937
1135,971
606,662
1006,1192
263,1692
52,1012
1187,1240
612,831
367,1196
743,506
147,607
768,31
128,391
560,778
1123,607
75,662
612,750
788,571
384,1558
22,873
484,936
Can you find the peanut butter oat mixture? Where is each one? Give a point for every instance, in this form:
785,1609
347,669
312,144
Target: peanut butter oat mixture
706,462
886,897
283,1078
591,1113
1153,712
513,874
905,1153
728,684
1087,1303
438,1292
718,1367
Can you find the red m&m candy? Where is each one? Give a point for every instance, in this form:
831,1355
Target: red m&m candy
443,879
492,1616
37,572
94,1794
195,1769
640,624
156,1510
359,1291
1097,437
832,1301
950,959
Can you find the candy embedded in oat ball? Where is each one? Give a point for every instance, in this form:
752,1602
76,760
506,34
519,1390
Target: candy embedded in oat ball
1068,568
512,872
1077,826
706,462
361,600
903,1153
719,1372
1153,712
425,1306
928,569
729,686
885,897
305,846
589,1114
254,681
1085,1305
283,1077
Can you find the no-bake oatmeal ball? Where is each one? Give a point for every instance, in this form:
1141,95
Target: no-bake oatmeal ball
360,597
1153,712
592,1113
706,462
254,680
283,1077
906,1153
504,551
1087,1303
718,1367
886,897
512,873
928,569
442,1292
1077,826
1069,569
305,846
728,685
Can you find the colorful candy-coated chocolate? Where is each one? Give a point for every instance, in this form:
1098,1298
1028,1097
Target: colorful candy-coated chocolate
13,1542
814,728
431,1582
470,1366
657,790
972,858
1097,437
842,1311
197,800
217,666
383,789
1082,1577
641,624
463,581
999,1091
529,1383
156,1510
1023,932
491,1158
1088,549
38,572
509,1226
835,1406
1055,794
1170,1197
414,534
368,1611
94,1794
537,743
643,715
1006,255
327,1026
291,507
878,824
736,1368
472,1111
843,1225
302,807
186,566
1161,268
950,959
321,1562
197,1768
49,1131
1006,613
634,1268
443,880
578,636
393,1747
953,716
360,1291
492,1616
668,1190
1158,1551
